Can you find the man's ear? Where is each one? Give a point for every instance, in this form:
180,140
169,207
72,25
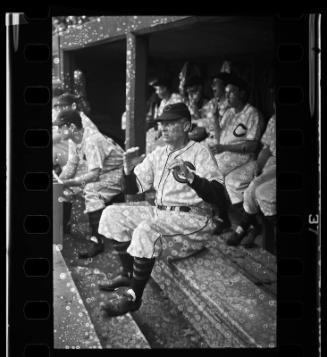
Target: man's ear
74,106
187,126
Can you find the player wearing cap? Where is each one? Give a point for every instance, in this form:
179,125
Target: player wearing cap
102,181
62,100
195,99
213,111
261,193
162,86
186,180
240,131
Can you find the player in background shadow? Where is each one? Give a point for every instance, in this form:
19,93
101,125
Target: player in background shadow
238,136
260,196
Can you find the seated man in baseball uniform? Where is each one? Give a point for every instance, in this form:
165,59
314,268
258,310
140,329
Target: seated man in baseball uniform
62,100
261,193
239,133
186,180
103,178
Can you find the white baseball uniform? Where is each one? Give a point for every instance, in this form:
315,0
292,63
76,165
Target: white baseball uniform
153,231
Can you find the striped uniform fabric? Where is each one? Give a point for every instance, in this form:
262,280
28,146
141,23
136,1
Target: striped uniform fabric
238,168
261,193
61,148
152,231
174,98
97,151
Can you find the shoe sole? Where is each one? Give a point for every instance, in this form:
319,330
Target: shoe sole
90,256
114,314
104,288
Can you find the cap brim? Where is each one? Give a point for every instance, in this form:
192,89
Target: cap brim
169,117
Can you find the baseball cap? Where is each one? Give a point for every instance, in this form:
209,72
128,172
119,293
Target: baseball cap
67,117
237,81
163,81
173,112
223,76
67,99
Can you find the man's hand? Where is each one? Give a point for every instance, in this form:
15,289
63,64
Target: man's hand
217,149
181,170
257,170
131,159
66,183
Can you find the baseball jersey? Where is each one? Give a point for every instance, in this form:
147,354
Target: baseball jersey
174,98
61,148
154,172
269,140
269,137
96,151
237,128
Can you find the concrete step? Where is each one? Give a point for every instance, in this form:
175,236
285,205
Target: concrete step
255,263
116,332
224,306
162,324
73,328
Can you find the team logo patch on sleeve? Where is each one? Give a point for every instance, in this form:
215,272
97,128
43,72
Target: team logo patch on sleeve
240,130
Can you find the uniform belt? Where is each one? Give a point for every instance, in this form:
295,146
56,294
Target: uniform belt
197,210
174,208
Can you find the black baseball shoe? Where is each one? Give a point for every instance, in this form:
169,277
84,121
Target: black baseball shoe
116,282
93,250
248,241
235,238
221,225
121,302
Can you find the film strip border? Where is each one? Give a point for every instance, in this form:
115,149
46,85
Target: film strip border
29,189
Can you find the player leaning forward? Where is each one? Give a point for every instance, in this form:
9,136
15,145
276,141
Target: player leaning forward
102,181
181,222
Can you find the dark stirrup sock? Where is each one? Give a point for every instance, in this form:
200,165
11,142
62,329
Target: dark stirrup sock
271,219
94,219
142,269
246,218
67,207
125,259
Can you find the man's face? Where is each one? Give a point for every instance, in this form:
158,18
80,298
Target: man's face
218,87
161,91
233,95
194,93
57,107
64,131
173,131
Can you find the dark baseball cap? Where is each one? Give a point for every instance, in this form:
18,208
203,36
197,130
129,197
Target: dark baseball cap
223,76
161,81
237,81
67,99
67,117
173,112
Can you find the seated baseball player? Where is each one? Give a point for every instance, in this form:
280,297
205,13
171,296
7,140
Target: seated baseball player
239,133
186,179
103,178
62,100
261,193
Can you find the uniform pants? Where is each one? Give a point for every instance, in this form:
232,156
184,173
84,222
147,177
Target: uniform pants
153,232
261,193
